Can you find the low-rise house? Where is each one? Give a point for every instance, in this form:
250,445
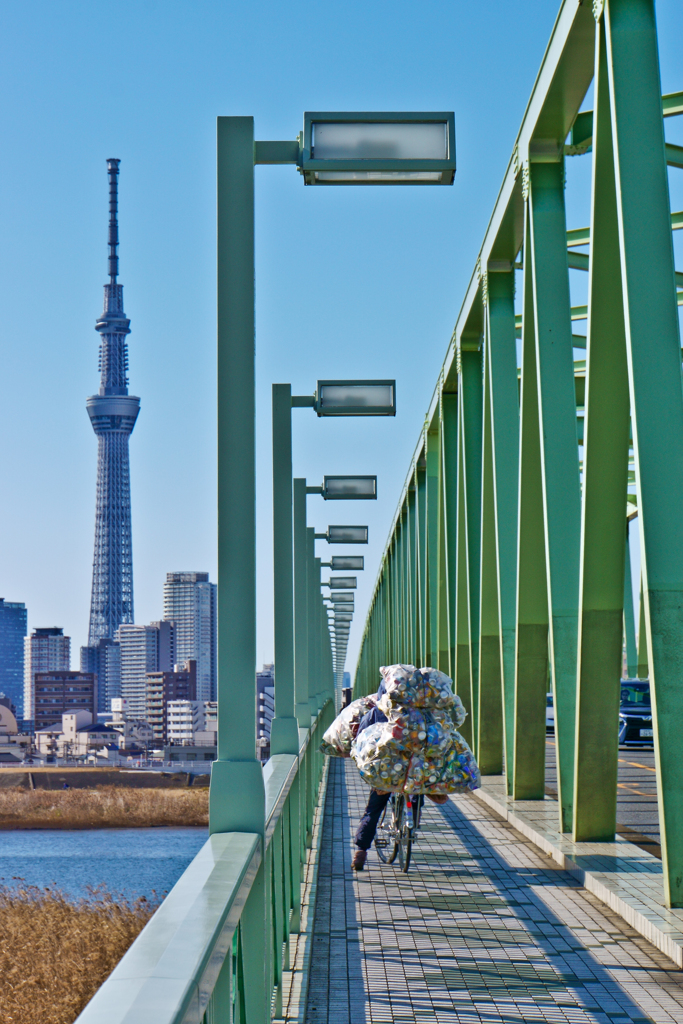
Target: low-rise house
192,722
77,736
134,733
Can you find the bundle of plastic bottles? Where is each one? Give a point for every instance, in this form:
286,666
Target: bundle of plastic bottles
418,750
407,686
340,735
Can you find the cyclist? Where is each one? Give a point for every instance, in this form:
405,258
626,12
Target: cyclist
365,833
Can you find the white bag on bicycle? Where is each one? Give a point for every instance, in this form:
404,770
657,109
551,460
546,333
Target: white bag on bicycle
340,735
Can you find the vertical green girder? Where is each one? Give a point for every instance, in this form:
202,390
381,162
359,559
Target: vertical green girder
401,570
531,642
449,436
489,740
433,446
489,704
605,482
422,640
411,577
504,409
462,675
559,454
654,365
471,420
443,639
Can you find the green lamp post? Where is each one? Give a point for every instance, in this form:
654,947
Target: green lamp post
390,148
332,398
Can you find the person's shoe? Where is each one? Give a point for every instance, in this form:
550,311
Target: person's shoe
359,859
438,798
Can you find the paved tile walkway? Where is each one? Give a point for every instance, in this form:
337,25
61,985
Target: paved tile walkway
484,928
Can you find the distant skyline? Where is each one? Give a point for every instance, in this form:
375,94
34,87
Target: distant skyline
349,282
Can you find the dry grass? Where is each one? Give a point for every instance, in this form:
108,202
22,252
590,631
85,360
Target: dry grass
104,807
55,952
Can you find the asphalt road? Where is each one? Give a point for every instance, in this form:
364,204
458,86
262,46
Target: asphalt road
637,816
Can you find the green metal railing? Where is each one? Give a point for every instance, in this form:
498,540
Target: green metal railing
505,565
210,955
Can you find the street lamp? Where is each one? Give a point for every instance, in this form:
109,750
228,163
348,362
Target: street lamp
356,398
344,535
342,582
339,597
378,149
336,488
333,397
340,562
293,703
346,488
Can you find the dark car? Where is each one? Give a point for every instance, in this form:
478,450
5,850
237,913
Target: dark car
635,713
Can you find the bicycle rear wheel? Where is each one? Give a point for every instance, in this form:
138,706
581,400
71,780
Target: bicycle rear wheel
385,842
409,834
403,833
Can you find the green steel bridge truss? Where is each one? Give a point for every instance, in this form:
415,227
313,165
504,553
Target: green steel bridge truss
506,564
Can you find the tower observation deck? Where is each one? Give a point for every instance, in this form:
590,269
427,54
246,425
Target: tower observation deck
113,413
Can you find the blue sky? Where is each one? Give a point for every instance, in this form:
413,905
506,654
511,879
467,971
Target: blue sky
350,282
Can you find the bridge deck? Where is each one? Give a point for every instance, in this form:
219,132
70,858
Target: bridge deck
484,928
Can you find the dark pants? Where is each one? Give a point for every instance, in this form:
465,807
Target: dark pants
368,823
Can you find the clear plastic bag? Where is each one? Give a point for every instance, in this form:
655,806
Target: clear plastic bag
417,687
417,750
340,735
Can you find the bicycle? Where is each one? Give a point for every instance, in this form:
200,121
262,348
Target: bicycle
397,829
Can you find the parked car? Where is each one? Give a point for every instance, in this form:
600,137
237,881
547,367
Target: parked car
549,713
635,713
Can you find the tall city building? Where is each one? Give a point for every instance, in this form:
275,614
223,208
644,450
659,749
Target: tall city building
113,413
13,625
104,661
45,650
62,692
163,687
265,710
190,603
143,649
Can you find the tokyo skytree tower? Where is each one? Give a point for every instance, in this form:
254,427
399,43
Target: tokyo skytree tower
113,413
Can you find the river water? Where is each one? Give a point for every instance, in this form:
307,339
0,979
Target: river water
131,861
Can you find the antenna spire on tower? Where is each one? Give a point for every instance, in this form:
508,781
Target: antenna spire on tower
113,169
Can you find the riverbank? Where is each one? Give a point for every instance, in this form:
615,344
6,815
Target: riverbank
80,777
105,807
57,951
